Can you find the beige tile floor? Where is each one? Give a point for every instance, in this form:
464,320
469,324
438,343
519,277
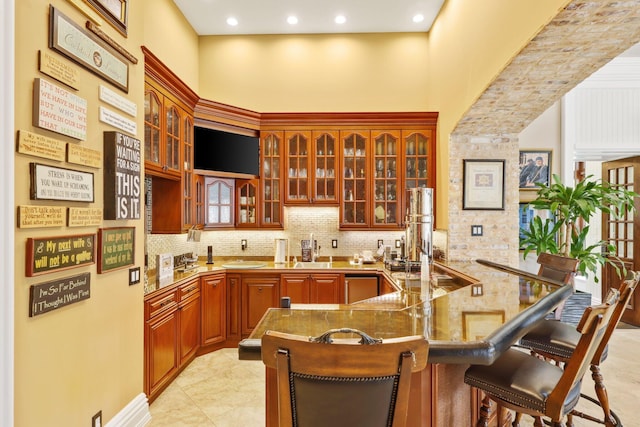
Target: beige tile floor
219,390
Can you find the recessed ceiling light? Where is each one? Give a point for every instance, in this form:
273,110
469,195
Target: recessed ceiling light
293,20
232,21
418,18
340,19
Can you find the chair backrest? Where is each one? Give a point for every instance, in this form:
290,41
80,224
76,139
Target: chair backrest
346,382
557,267
626,291
592,326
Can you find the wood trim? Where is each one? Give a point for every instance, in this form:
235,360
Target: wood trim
352,120
213,111
158,71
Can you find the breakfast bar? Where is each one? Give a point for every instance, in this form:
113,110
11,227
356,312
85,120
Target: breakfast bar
470,312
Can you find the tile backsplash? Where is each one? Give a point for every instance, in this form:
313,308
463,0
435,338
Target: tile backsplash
299,223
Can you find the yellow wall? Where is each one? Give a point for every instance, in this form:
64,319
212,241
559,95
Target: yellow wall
354,72
88,356
168,35
469,45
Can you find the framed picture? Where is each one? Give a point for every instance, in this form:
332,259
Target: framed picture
116,248
483,184
476,325
535,167
114,11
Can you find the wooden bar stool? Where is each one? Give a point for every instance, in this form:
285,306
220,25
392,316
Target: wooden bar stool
529,385
557,341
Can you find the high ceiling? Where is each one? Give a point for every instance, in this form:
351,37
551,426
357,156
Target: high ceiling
209,17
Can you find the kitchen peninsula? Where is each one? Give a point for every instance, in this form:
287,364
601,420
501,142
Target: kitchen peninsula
469,313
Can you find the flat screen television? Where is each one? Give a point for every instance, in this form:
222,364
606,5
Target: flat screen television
220,151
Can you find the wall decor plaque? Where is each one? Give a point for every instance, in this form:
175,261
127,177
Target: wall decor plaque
84,156
95,29
118,121
73,41
49,254
84,217
53,183
41,216
57,68
122,182
115,248
48,296
114,11
40,146
58,110
118,101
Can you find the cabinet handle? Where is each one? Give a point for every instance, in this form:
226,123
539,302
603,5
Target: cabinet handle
165,302
189,289
260,289
215,285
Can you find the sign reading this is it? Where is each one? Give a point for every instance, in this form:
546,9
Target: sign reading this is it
122,166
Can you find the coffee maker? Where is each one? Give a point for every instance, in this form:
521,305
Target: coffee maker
419,222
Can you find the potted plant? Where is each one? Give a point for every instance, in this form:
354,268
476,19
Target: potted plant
565,233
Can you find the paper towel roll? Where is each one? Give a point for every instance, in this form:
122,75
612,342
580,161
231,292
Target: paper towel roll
281,251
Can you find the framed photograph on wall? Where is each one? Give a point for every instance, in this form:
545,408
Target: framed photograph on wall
483,184
476,325
114,11
535,167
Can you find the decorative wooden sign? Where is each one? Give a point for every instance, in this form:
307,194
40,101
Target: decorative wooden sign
49,254
114,11
120,102
95,29
49,296
73,41
41,216
122,187
52,183
118,121
57,68
84,217
40,146
84,156
58,110
115,248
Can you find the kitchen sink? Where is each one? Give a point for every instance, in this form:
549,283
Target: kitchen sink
312,264
243,264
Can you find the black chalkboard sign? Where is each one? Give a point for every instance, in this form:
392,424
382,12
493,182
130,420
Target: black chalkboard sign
115,248
49,296
48,254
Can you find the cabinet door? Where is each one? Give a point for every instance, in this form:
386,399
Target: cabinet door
360,288
296,287
387,182
189,328
324,184
325,289
258,294
172,137
188,178
233,307
271,179
354,212
213,309
219,202
247,203
152,116
298,167
162,335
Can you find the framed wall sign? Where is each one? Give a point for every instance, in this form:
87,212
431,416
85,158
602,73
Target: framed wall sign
48,254
49,296
535,167
115,248
483,184
114,11
476,325
53,183
83,47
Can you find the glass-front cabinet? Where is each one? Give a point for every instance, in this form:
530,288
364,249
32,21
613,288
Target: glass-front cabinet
246,199
355,204
418,146
387,181
298,145
325,167
271,179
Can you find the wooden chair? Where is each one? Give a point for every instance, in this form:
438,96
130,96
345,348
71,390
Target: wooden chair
557,267
529,385
557,341
348,383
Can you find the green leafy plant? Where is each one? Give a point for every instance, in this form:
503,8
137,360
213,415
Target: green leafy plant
573,207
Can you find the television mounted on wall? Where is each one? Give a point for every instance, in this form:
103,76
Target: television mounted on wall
227,152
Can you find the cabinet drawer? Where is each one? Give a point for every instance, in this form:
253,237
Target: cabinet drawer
189,290
156,305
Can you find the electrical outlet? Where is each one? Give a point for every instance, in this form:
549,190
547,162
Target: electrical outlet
243,244
476,230
397,243
380,243
96,420
334,243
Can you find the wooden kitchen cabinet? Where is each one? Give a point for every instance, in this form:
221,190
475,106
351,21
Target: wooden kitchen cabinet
324,288
271,214
247,203
388,185
359,288
161,341
233,308
214,304
355,211
189,311
258,294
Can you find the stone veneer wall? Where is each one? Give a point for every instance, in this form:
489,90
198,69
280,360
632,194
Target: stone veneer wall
582,38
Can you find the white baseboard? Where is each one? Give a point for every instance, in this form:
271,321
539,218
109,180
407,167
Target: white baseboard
135,414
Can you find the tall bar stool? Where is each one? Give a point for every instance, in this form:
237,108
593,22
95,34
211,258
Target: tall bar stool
346,383
529,385
557,341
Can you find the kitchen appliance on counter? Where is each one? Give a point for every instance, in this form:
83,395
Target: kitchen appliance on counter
419,220
281,251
